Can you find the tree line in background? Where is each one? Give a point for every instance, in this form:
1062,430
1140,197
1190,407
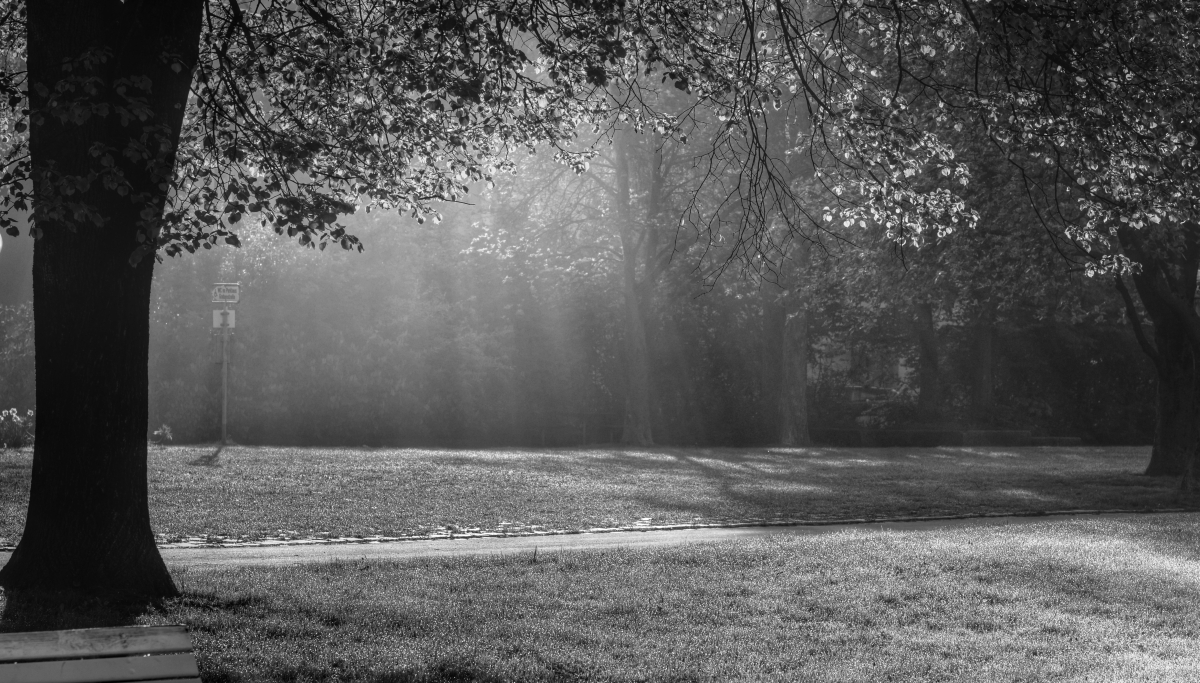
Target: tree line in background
795,294
509,323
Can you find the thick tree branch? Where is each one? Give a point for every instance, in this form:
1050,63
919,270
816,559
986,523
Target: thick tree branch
1184,310
1136,321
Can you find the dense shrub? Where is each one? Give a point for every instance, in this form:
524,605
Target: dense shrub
16,430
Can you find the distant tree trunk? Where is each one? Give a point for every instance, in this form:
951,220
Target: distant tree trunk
693,423
793,403
530,413
795,362
636,428
983,400
785,355
772,378
88,528
929,391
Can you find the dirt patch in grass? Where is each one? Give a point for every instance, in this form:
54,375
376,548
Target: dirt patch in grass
254,493
1096,600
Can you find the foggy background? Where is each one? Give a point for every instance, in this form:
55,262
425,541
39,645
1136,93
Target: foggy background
504,325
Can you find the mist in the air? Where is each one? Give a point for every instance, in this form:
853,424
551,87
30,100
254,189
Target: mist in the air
511,321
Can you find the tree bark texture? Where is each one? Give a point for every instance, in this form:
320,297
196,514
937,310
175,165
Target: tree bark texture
88,527
929,387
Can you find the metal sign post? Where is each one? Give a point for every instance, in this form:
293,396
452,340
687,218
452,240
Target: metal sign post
225,319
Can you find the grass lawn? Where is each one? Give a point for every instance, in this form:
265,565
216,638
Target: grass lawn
255,493
1094,600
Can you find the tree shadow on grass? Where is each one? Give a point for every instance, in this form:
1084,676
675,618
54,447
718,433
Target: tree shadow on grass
210,459
899,493
449,669
40,611
715,464
1135,578
837,483
456,670
766,460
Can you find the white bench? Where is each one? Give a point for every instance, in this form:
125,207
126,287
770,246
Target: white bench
93,655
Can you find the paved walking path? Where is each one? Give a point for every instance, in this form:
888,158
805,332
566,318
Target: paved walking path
399,550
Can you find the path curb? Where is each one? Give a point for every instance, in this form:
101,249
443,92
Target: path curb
184,558
733,524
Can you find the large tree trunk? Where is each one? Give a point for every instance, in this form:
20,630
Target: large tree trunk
88,527
1174,355
929,387
1166,284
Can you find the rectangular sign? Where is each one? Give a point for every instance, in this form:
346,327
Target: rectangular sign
224,317
226,292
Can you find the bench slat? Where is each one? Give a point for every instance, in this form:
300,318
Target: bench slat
172,680
137,668
93,642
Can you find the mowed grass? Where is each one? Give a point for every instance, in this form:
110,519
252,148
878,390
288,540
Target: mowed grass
1095,600
254,493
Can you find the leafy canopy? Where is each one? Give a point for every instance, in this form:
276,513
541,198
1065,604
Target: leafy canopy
302,111
305,110
1094,100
